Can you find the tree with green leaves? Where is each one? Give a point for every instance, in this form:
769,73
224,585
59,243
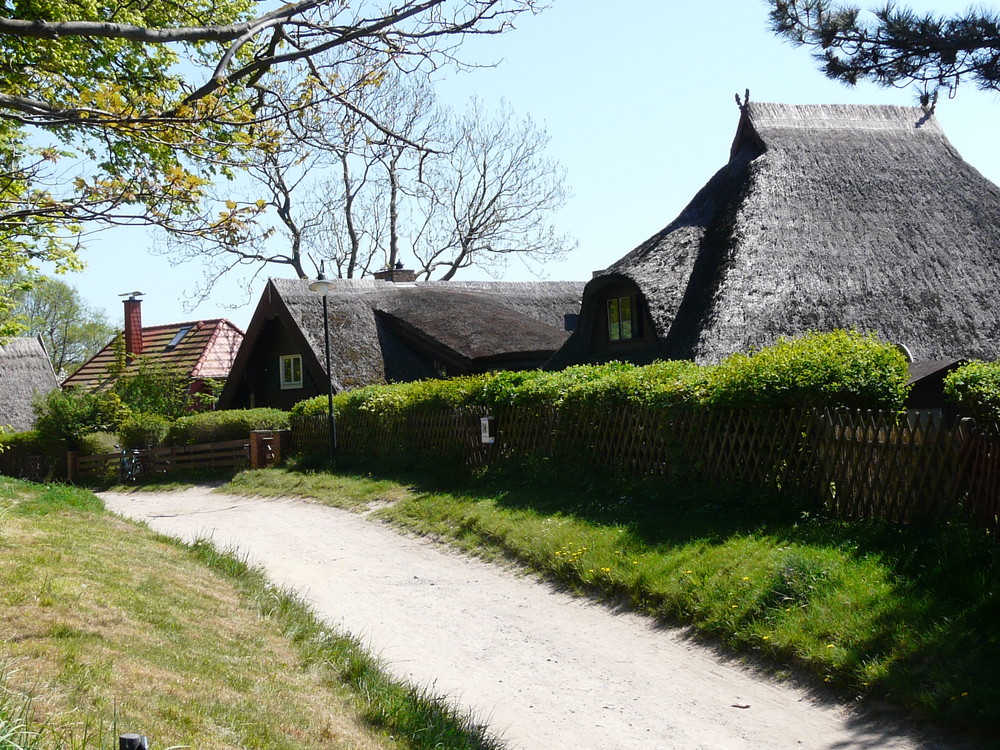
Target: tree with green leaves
895,46
124,112
71,330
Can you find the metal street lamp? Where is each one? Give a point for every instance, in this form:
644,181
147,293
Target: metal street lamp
322,286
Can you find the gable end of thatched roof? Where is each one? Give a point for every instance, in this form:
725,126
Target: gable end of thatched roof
25,373
825,216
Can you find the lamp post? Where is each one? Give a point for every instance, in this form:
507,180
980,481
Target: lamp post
323,286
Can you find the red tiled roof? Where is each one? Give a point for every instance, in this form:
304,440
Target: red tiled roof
206,350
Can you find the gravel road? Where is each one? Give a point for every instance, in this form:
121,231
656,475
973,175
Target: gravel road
545,670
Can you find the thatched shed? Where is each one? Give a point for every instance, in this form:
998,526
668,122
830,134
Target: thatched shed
25,373
825,217
382,331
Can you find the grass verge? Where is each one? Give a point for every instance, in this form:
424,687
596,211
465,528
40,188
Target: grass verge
907,615
108,628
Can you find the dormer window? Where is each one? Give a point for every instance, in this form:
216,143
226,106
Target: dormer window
624,320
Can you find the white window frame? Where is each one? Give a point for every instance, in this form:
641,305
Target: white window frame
295,362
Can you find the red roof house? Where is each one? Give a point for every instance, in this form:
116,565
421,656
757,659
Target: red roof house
201,349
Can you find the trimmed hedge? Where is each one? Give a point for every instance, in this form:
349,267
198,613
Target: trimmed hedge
22,454
840,368
220,426
97,443
975,389
837,369
140,431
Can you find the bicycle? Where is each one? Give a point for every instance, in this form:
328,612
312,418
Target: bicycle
130,466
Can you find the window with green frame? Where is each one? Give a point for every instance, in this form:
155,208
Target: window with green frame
291,371
624,321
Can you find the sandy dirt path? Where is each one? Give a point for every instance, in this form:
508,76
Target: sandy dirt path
545,670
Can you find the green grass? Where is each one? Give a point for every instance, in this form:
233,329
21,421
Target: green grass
110,628
906,615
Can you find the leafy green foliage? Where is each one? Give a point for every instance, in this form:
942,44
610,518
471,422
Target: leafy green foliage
150,101
841,368
219,426
143,430
893,45
64,417
150,387
19,452
97,443
975,389
89,95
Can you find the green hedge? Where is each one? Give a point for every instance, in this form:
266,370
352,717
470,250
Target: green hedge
98,443
837,369
220,426
840,368
140,431
975,389
22,454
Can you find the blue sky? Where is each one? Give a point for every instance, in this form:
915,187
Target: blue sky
638,98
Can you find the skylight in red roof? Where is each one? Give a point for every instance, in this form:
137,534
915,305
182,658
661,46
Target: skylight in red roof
177,338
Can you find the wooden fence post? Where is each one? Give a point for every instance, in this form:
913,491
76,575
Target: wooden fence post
258,450
72,464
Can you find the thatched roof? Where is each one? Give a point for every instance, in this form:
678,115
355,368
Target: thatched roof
825,217
196,348
25,372
383,331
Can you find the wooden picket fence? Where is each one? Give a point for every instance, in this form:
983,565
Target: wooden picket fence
903,468
229,455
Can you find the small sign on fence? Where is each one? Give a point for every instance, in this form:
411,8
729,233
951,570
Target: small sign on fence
487,427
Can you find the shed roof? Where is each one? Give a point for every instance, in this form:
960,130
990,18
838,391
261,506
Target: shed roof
25,372
827,216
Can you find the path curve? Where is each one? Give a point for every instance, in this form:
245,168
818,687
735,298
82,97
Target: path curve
545,670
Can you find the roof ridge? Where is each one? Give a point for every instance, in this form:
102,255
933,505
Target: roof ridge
857,117
190,323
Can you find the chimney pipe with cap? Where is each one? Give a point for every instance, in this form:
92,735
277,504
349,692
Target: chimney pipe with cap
133,324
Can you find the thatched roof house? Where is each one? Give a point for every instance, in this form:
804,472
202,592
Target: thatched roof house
25,373
825,217
393,331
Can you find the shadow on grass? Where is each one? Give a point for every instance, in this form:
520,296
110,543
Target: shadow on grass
932,646
163,482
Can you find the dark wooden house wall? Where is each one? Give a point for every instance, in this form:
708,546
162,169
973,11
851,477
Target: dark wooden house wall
260,380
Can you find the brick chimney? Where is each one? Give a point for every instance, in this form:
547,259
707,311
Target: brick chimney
397,275
133,324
